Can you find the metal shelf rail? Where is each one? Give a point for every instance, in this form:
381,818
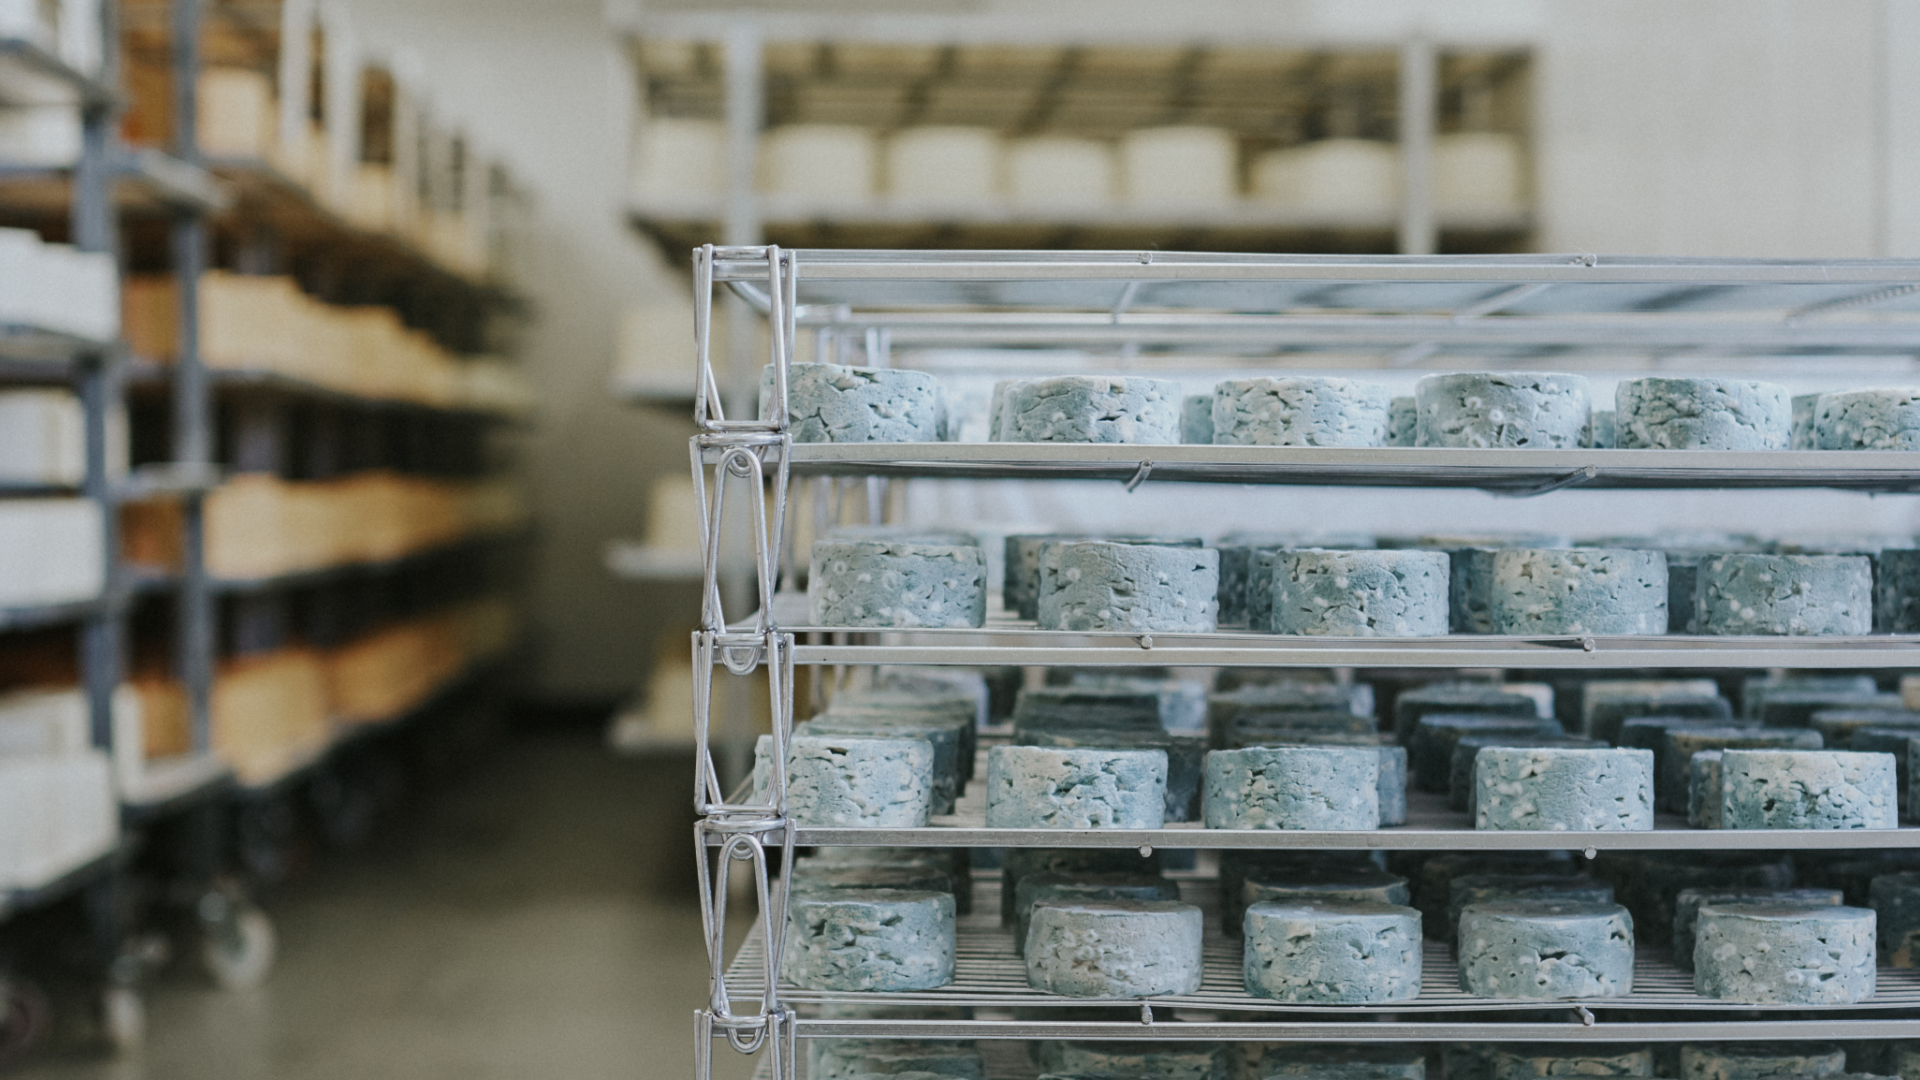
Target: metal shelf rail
1561,308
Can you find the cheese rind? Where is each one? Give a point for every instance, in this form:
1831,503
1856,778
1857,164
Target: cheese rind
1020,588
1762,953
1091,409
1294,787
902,584
1469,889
1674,786
1896,591
1563,789
1403,422
1300,411
1807,789
1686,910
1114,948
1196,419
1702,414
1760,1061
1069,888
1313,886
1505,1061
1167,1061
1606,430
1543,949
1096,585
851,782
1578,591
841,404
1360,593
1895,899
849,1059
1033,787
1338,952
1867,420
1503,409
1185,752
1784,594
1802,438
880,940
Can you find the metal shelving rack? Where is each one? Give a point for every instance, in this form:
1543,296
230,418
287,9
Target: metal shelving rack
1540,310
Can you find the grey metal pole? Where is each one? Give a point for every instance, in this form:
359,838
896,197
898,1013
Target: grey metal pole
1419,106
192,408
93,228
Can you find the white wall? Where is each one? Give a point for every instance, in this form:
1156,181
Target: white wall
542,83
1717,127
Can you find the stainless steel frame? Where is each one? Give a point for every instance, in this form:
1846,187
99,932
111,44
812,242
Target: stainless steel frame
1531,307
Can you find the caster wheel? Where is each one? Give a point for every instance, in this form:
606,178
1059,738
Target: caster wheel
24,1016
238,952
123,1018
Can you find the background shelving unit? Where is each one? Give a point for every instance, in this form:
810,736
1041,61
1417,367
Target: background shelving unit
1188,302
397,635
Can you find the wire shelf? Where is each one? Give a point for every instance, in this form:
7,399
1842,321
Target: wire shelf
987,973
1509,472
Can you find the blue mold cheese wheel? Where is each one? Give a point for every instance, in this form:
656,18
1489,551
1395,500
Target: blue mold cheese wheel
1503,409
881,940
1196,419
1315,886
1895,899
1803,404
1360,593
1320,1061
1292,787
1682,743
1049,888
897,584
1784,595
846,1059
1114,948
1096,585
851,782
1686,910
1334,952
1036,787
1559,789
1773,953
1760,1061
1090,409
1578,591
1867,420
1702,414
1505,1061
1163,1061
1807,789
840,404
1300,410
1545,949
1403,421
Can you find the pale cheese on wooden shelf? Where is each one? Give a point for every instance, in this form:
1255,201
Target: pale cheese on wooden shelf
269,712
1330,176
44,135
1179,168
1479,172
1059,171
678,160
50,551
832,163
943,165
43,438
238,114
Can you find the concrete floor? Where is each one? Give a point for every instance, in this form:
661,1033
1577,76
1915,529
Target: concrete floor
536,920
